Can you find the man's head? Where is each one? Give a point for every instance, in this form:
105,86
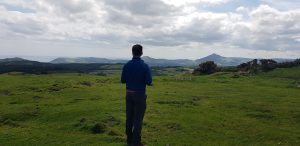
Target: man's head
137,50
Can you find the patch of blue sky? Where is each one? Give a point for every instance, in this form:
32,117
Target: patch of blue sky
283,4
231,6
17,8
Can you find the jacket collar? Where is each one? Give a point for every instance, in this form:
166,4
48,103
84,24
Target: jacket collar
136,58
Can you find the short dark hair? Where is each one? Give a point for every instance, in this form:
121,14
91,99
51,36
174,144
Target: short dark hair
137,50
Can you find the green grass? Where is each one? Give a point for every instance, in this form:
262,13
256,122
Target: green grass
219,109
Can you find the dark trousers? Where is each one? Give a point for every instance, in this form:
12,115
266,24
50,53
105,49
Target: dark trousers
135,110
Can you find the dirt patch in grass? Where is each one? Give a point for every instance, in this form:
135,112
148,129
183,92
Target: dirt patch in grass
95,98
150,127
98,128
114,133
13,102
9,122
221,81
36,98
91,126
297,118
196,98
81,123
104,81
261,114
111,121
85,83
235,76
76,100
173,127
116,139
178,103
28,88
5,92
22,116
55,88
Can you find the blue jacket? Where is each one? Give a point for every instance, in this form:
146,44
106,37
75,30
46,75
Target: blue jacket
136,74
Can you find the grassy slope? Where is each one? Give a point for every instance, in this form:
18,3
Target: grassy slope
209,110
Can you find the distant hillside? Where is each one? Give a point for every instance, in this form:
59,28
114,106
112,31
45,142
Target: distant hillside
86,60
12,59
223,61
11,62
220,60
34,67
283,59
149,60
72,65
167,62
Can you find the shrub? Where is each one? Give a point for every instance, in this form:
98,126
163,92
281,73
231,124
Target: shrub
268,64
289,64
208,67
251,66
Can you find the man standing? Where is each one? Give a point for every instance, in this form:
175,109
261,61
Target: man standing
136,74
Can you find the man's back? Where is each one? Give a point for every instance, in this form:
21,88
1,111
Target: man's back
136,74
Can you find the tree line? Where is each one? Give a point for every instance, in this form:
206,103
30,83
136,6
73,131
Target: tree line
254,66
33,67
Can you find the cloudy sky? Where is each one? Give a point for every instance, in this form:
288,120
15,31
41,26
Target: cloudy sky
166,28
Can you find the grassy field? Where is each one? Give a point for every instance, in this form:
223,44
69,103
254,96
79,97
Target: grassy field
219,109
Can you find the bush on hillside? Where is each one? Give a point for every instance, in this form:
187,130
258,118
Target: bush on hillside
267,64
208,67
289,64
251,66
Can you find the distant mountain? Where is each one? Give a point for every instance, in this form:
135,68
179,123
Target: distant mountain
83,65
149,60
87,60
283,60
223,61
12,59
32,58
167,62
17,61
220,60
34,67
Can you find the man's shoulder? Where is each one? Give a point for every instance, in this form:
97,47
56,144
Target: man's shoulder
145,65
126,65
128,62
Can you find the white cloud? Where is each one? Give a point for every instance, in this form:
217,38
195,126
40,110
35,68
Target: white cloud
191,2
162,26
283,4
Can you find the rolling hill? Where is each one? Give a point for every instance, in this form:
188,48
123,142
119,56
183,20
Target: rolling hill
87,60
220,60
223,61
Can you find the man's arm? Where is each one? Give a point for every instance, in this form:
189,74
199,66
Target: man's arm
123,76
148,76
